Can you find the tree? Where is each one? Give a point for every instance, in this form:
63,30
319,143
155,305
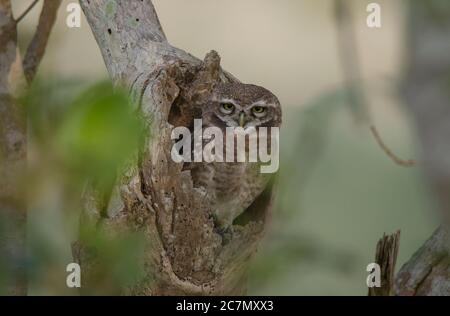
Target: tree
184,254
155,196
426,95
13,142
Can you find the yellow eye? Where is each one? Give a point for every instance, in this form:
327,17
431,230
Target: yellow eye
258,109
228,107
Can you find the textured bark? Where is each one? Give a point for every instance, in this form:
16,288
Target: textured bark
386,257
428,271
185,255
12,156
427,96
13,139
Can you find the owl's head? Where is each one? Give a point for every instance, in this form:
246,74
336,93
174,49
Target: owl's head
242,105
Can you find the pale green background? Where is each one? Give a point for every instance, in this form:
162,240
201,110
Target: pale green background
321,240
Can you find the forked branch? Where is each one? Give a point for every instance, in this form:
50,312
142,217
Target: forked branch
186,255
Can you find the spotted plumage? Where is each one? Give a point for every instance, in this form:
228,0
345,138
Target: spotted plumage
233,186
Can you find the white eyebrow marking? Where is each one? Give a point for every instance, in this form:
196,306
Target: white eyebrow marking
225,100
263,103
260,102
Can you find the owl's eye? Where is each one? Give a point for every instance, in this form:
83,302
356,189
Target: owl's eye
258,110
227,108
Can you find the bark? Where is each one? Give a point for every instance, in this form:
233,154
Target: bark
12,157
36,49
185,255
426,89
428,271
386,257
13,139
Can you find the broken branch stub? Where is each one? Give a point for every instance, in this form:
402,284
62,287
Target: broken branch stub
184,254
386,257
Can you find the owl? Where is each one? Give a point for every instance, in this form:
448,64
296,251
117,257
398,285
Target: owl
233,186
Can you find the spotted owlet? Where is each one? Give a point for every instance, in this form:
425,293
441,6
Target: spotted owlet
233,186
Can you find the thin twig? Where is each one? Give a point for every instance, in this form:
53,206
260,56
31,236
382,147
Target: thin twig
36,49
388,152
348,50
27,11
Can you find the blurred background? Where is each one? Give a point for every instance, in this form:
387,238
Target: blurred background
338,191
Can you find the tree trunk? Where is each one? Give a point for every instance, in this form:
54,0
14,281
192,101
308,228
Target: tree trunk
185,256
13,141
427,96
12,158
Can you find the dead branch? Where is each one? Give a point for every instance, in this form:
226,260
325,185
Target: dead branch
386,257
185,255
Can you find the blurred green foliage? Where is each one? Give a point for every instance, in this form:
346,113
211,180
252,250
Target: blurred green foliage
337,194
99,132
79,136
119,260
92,133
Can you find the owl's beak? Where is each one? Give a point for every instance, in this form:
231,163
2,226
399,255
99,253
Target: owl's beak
242,119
